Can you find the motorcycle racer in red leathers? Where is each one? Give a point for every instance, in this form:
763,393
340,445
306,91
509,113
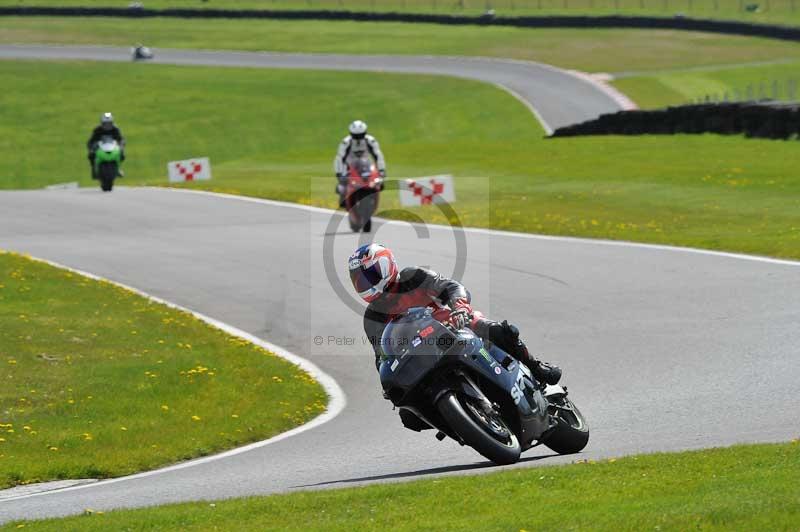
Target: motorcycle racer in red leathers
390,292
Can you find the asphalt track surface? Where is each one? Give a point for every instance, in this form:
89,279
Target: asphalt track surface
663,349
558,97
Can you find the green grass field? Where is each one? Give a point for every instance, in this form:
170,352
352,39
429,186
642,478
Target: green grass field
703,191
100,382
780,80
772,11
588,50
738,488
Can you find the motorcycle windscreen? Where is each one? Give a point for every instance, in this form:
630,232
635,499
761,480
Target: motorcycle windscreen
413,344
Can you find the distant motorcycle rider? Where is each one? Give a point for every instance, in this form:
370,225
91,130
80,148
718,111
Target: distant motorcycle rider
390,292
353,147
106,128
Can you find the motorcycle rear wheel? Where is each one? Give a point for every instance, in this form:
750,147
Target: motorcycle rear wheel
479,431
571,434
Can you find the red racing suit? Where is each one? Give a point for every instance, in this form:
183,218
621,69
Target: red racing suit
420,287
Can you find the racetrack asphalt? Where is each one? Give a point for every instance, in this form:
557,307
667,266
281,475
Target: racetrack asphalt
663,349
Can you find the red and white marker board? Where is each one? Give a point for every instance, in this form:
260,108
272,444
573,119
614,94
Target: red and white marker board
189,170
427,190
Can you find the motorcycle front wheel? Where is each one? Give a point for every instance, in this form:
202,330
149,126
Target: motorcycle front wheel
487,434
108,172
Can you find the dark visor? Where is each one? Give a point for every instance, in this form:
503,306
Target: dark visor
365,278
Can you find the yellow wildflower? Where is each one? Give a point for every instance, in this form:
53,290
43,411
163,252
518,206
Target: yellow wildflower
195,418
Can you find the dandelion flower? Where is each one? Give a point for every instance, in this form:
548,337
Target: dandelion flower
195,418
164,408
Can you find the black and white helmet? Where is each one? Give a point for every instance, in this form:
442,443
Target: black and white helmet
358,129
106,120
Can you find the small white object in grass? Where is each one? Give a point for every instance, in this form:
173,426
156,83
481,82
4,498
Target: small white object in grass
63,186
198,169
427,190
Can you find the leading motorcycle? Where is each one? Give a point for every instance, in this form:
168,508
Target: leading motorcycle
107,161
472,391
364,184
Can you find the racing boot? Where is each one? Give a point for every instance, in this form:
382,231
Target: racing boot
544,372
506,336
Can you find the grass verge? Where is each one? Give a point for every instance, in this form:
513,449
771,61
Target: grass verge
779,80
785,12
737,488
706,191
584,49
100,382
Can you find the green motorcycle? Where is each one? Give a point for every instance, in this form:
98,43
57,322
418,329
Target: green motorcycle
107,160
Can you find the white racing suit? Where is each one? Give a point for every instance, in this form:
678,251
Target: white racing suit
351,149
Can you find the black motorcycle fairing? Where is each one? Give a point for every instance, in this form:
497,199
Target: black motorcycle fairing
413,419
424,360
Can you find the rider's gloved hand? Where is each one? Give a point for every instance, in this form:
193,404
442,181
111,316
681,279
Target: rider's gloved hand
461,315
382,173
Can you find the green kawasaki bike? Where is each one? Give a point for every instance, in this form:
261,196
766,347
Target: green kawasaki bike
107,161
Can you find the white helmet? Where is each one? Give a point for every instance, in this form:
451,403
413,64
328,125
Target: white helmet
358,129
106,120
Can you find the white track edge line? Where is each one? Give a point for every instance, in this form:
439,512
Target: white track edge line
548,129
619,97
497,232
337,397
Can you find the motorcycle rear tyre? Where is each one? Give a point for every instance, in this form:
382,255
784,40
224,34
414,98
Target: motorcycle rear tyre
571,434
